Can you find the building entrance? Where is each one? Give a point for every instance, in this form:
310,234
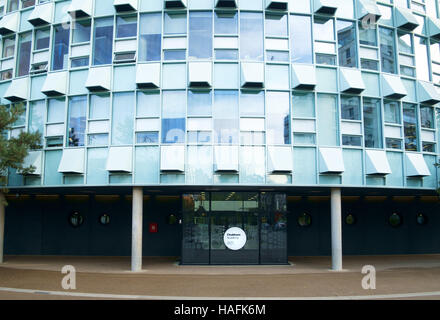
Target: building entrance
234,228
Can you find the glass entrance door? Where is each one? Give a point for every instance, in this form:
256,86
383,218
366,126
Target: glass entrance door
234,228
234,210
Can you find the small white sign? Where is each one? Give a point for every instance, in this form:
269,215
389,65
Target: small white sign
235,238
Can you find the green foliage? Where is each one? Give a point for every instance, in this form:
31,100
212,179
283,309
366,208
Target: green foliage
13,151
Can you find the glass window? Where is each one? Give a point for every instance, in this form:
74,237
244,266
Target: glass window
148,104
410,127
36,116
24,54
79,62
252,103
173,116
99,106
103,43
226,23
226,54
323,29
8,47
405,43
278,118
42,37
392,112
368,36
276,25
175,23
123,112
387,50
27,3
422,64
199,103
372,123
81,31
225,113
347,43
126,26
350,108
200,35
77,121
150,37
427,117
147,137
303,104
428,146
55,110
328,127
60,51
393,143
99,139
353,141
301,39
12,5
251,36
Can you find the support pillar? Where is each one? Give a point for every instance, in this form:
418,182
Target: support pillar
136,233
2,225
336,221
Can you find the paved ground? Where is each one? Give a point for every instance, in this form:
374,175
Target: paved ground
304,277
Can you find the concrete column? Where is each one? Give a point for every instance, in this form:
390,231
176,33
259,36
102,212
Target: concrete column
336,229
2,225
136,233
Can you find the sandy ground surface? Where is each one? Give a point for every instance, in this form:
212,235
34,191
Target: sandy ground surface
304,277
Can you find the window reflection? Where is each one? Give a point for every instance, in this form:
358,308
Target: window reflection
251,36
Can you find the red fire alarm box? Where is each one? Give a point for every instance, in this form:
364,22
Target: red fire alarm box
153,227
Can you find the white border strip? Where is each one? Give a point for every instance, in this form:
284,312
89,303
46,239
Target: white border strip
145,297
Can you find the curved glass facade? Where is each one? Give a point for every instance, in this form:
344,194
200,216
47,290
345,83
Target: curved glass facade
241,93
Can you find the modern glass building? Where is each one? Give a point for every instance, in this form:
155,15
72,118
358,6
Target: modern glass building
308,126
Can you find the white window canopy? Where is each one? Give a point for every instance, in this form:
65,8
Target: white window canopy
405,19
280,159
80,8
226,158
303,77
55,84
125,5
42,14
148,76
325,7
18,90
277,4
376,162
172,158
120,159
427,93
33,159
393,87
99,79
72,161
331,160
433,27
176,4
416,165
367,8
200,74
226,3
351,81
9,23
252,75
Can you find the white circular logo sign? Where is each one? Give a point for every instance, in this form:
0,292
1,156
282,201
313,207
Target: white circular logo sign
235,238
